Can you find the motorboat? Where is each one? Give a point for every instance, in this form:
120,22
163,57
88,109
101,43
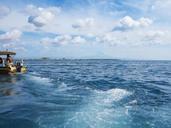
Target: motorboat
7,65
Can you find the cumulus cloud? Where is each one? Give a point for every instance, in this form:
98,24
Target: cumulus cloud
4,11
78,40
41,20
84,23
58,40
11,40
157,37
135,38
14,46
13,35
112,38
128,22
40,17
62,40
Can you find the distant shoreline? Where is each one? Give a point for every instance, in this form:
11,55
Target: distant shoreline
47,59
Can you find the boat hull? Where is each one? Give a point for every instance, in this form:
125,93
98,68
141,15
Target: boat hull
12,70
8,70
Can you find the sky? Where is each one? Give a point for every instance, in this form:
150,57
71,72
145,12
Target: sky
87,29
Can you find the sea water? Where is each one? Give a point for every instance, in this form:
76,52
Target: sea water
87,94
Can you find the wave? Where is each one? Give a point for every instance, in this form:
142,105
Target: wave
116,94
37,79
99,110
64,87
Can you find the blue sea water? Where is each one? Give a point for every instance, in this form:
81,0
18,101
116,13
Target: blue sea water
87,94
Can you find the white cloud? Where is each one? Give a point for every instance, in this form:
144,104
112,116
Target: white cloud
135,38
78,40
4,11
112,38
91,26
41,20
14,46
153,35
13,35
57,41
11,40
41,16
48,19
128,22
84,23
62,40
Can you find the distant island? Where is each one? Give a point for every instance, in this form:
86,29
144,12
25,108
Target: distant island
45,58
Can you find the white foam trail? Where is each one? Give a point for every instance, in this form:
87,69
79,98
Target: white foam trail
63,87
99,111
133,102
118,94
113,95
40,80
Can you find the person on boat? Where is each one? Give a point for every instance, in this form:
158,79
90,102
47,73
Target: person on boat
22,63
1,62
19,65
9,60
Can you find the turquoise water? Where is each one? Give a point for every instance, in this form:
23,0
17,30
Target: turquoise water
87,94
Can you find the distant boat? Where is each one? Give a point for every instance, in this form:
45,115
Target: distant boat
7,66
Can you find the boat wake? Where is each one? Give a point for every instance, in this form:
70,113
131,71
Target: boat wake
101,110
38,80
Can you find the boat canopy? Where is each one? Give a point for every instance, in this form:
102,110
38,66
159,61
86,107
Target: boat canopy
7,52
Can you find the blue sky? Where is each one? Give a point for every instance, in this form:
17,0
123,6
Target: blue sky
122,29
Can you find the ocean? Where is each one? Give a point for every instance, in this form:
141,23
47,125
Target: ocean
87,94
